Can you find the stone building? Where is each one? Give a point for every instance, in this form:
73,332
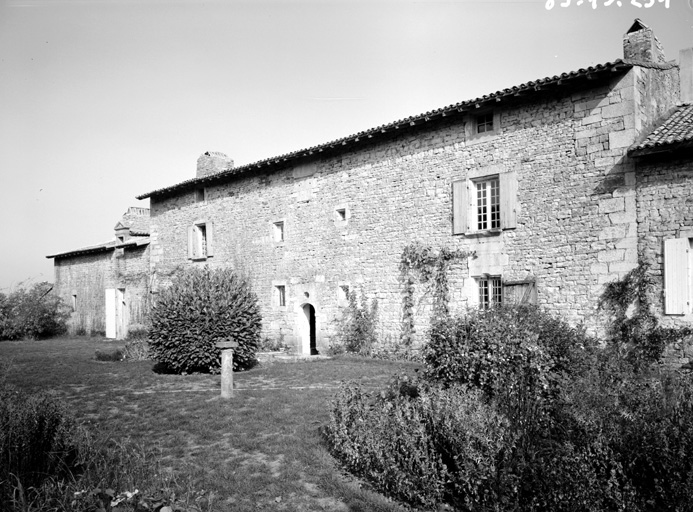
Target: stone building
536,180
107,285
664,192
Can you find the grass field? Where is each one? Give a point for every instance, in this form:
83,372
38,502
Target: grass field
260,450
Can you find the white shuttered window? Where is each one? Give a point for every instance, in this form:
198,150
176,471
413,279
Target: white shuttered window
484,204
676,276
200,236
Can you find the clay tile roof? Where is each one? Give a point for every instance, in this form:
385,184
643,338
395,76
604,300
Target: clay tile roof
525,89
103,247
675,132
91,249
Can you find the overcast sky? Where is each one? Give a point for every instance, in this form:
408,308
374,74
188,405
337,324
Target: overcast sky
104,100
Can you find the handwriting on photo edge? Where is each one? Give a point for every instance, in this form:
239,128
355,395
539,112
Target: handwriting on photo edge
550,4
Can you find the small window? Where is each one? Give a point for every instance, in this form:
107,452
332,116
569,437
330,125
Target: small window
341,215
74,302
281,295
278,231
200,195
121,239
487,204
484,123
490,292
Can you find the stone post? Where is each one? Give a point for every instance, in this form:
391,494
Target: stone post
226,348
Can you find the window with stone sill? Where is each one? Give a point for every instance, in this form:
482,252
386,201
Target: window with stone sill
485,204
200,241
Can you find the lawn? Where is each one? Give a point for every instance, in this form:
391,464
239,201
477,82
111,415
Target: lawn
260,450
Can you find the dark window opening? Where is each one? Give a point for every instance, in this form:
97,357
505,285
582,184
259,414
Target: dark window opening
281,295
484,123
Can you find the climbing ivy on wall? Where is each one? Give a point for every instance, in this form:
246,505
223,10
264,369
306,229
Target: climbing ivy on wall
422,264
633,326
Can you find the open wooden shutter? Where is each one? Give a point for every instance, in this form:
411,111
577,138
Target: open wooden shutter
191,242
210,238
460,207
520,292
676,276
508,199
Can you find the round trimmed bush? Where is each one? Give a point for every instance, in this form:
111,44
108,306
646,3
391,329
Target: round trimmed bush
201,307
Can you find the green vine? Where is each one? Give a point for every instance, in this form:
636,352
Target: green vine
421,263
633,327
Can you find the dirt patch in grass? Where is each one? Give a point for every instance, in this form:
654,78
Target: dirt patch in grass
260,450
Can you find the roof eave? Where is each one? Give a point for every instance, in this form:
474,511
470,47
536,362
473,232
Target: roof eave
671,147
529,88
103,248
79,252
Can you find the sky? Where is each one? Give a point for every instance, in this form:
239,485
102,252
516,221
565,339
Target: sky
105,100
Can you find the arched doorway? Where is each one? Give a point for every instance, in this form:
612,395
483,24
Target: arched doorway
309,329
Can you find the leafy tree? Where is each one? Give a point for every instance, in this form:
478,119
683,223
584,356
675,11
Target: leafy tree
32,313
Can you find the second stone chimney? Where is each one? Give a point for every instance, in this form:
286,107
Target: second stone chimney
640,44
212,162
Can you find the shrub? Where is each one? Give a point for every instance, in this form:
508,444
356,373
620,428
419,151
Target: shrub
201,307
645,417
419,442
136,350
356,331
32,313
38,439
490,349
273,345
114,354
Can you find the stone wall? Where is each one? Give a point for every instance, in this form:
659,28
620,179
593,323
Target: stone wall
665,211
576,211
87,276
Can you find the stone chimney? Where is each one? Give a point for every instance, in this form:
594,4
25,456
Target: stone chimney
640,44
212,162
686,75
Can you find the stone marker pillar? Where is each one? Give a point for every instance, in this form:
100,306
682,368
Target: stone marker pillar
226,348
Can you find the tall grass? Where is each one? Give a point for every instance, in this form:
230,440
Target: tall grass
50,462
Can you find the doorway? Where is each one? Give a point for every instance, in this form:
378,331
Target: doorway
116,313
309,330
